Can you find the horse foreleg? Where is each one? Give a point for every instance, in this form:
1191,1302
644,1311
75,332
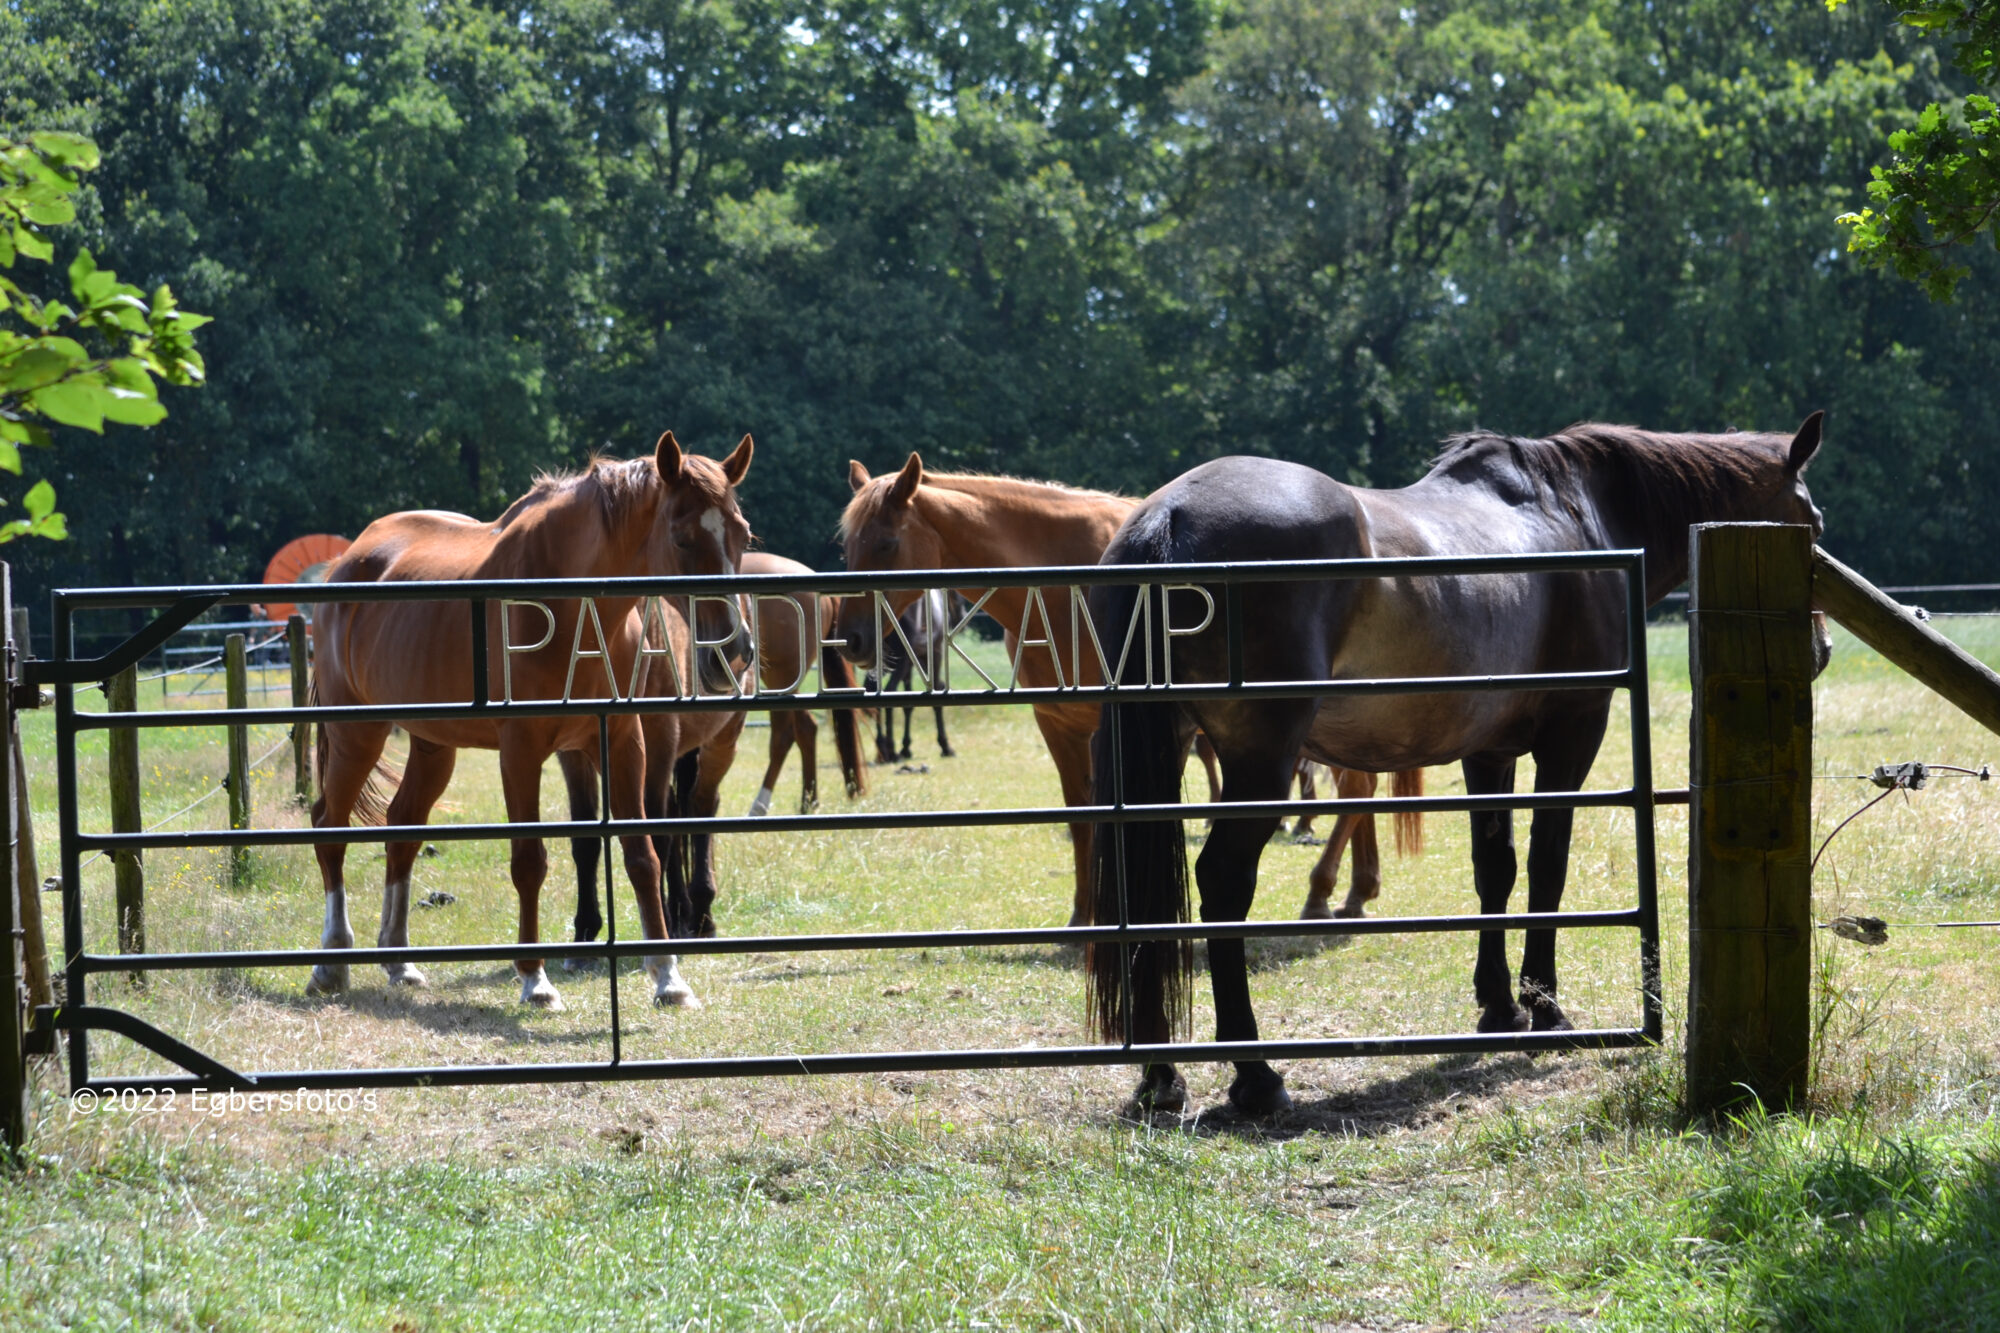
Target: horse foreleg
1226,873
352,749
1206,753
784,730
1493,870
521,784
580,781
944,746
630,780
425,777
718,753
1308,791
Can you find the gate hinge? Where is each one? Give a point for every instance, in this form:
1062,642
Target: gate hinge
40,1038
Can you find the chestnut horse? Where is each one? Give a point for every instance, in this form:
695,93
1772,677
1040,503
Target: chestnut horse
915,519
687,755
669,514
1593,487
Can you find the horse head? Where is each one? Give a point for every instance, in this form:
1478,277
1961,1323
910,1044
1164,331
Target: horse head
1785,499
882,529
698,529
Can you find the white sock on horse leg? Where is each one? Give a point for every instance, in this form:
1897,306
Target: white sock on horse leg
761,805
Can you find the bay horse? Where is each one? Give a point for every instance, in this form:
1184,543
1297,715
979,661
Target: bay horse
926,623
687,755
1592,487
916,519
672,513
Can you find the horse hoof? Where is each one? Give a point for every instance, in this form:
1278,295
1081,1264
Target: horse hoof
947,753
676,995
1259,1093
1546,1014
1158,1096
1316,910
404,974
327,980
1509,1018
579,964
1350,911
537,991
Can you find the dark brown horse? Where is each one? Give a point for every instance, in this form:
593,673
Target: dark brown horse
1593,487
669,514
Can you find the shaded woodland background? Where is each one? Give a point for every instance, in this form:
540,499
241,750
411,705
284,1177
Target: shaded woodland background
451,244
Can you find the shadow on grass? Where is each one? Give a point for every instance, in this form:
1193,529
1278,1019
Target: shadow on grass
1410,1100
495,1012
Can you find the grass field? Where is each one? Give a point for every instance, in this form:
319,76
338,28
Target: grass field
1495,1192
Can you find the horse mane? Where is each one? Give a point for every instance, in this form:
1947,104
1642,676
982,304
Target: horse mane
867,501
619,486
1656,480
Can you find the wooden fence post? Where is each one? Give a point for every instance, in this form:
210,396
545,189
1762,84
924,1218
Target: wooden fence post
236,682
1750,934
127,868
27,870
14,1118
295,639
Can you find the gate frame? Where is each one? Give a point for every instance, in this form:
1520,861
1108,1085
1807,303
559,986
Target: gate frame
179,606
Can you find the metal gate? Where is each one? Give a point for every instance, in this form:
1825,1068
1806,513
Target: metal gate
1219,584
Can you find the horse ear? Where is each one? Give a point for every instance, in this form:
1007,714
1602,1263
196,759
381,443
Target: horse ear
738,463
857,475
667,458
1805,443
907,481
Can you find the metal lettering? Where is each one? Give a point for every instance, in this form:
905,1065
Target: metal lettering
587,612
1167,624
508,647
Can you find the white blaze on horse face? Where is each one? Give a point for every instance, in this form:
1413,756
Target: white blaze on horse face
716,525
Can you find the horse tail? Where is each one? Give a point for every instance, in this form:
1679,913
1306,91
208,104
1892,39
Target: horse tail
1137,756
372,805
1409,824
837,672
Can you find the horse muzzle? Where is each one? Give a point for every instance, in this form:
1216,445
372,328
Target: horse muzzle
1822,643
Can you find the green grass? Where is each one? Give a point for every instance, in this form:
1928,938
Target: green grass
1502,1192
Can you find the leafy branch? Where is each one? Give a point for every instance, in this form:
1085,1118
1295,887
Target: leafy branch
92,359
1942,185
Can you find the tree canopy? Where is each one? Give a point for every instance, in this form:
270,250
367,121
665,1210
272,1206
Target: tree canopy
449,244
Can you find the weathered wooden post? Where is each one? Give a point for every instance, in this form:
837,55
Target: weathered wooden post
295,640
27,871
127,869
236,683
1750,935
14,1119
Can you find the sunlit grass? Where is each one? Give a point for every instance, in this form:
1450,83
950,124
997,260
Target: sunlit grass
1448,1193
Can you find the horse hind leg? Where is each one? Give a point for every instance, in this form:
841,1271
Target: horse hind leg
1561,766
350,751
425,777
808,734
784,730
944,745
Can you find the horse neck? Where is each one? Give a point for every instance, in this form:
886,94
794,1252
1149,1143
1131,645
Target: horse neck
998,522
1650,504
569,536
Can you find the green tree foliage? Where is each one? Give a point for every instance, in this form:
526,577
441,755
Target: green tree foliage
47,373
451,243
1942,187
